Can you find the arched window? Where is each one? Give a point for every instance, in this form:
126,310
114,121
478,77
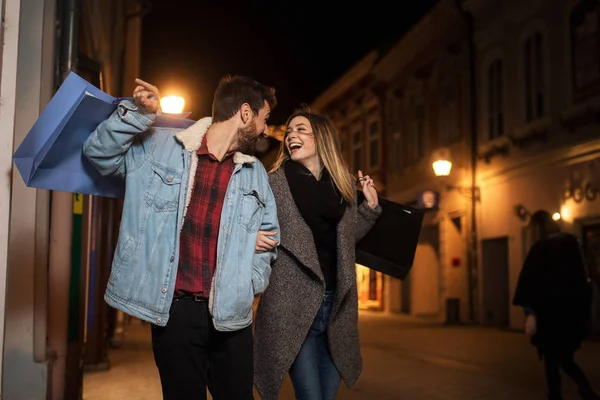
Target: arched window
533,74
495,98
585,54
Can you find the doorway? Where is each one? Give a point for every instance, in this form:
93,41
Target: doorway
591,250
424,295
494,254
370,288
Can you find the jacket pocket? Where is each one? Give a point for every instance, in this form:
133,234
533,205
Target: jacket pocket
164,188
122,255
252,210
245,300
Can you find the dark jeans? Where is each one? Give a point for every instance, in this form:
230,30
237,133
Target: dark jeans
567,362
191,354
313,373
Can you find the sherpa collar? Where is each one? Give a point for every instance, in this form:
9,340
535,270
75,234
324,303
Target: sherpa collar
191,139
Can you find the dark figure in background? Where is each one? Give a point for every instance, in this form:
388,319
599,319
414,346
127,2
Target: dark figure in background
556,294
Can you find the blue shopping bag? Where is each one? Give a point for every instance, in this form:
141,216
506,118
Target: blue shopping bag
51,155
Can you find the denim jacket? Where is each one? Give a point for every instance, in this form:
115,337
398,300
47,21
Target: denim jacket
159,167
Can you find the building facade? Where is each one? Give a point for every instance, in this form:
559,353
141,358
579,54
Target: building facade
509,93
394,111
45,237
427,101
538,65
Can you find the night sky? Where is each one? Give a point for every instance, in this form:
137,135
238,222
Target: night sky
300,48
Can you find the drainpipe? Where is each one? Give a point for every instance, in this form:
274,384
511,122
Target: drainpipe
130,72
472,280
61,225
69,31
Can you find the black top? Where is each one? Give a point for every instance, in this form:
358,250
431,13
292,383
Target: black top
322,207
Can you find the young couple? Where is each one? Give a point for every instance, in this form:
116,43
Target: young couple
205,229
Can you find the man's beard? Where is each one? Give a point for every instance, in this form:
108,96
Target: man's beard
247,138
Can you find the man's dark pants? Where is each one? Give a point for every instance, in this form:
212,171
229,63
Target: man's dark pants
192,355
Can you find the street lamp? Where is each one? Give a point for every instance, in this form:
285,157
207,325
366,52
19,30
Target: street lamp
556,216
442,168
172,104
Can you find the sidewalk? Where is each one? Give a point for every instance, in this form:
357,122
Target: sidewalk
403,358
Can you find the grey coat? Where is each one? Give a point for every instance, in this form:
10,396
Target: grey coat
288,306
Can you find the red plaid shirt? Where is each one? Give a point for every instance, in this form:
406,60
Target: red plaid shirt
200,232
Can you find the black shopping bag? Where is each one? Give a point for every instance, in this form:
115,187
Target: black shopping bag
390,245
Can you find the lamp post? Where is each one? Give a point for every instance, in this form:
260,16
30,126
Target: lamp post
172,104
442,167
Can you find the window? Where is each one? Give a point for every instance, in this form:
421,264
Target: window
585,48
449,127
374,144
395,108
372,284
495,80
534,77
357,150
418,132
409,155
414,141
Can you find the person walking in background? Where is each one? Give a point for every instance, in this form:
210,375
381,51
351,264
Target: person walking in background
556,294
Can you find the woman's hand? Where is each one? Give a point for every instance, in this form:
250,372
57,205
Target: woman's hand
368,188
264,242
531,325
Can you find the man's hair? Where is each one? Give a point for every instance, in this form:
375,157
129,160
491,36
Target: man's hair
233,91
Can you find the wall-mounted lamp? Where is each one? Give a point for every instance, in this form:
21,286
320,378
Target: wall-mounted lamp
522,212
556,216
579,193
442,168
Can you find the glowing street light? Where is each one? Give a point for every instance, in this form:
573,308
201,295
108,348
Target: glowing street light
556,216
442,167
172,104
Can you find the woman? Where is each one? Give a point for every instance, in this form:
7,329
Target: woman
307,319
555,292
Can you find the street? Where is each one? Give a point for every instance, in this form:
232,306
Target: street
404,358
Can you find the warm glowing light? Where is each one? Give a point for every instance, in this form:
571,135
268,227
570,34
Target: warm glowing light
556,216
442,167
172,104
277,132
566,214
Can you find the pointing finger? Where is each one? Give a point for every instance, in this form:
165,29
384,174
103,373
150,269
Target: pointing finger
147,86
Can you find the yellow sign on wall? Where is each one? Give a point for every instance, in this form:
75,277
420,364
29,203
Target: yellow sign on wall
78,204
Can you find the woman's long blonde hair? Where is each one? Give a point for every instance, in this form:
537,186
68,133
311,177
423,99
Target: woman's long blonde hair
328,149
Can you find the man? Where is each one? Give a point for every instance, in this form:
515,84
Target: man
185,260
